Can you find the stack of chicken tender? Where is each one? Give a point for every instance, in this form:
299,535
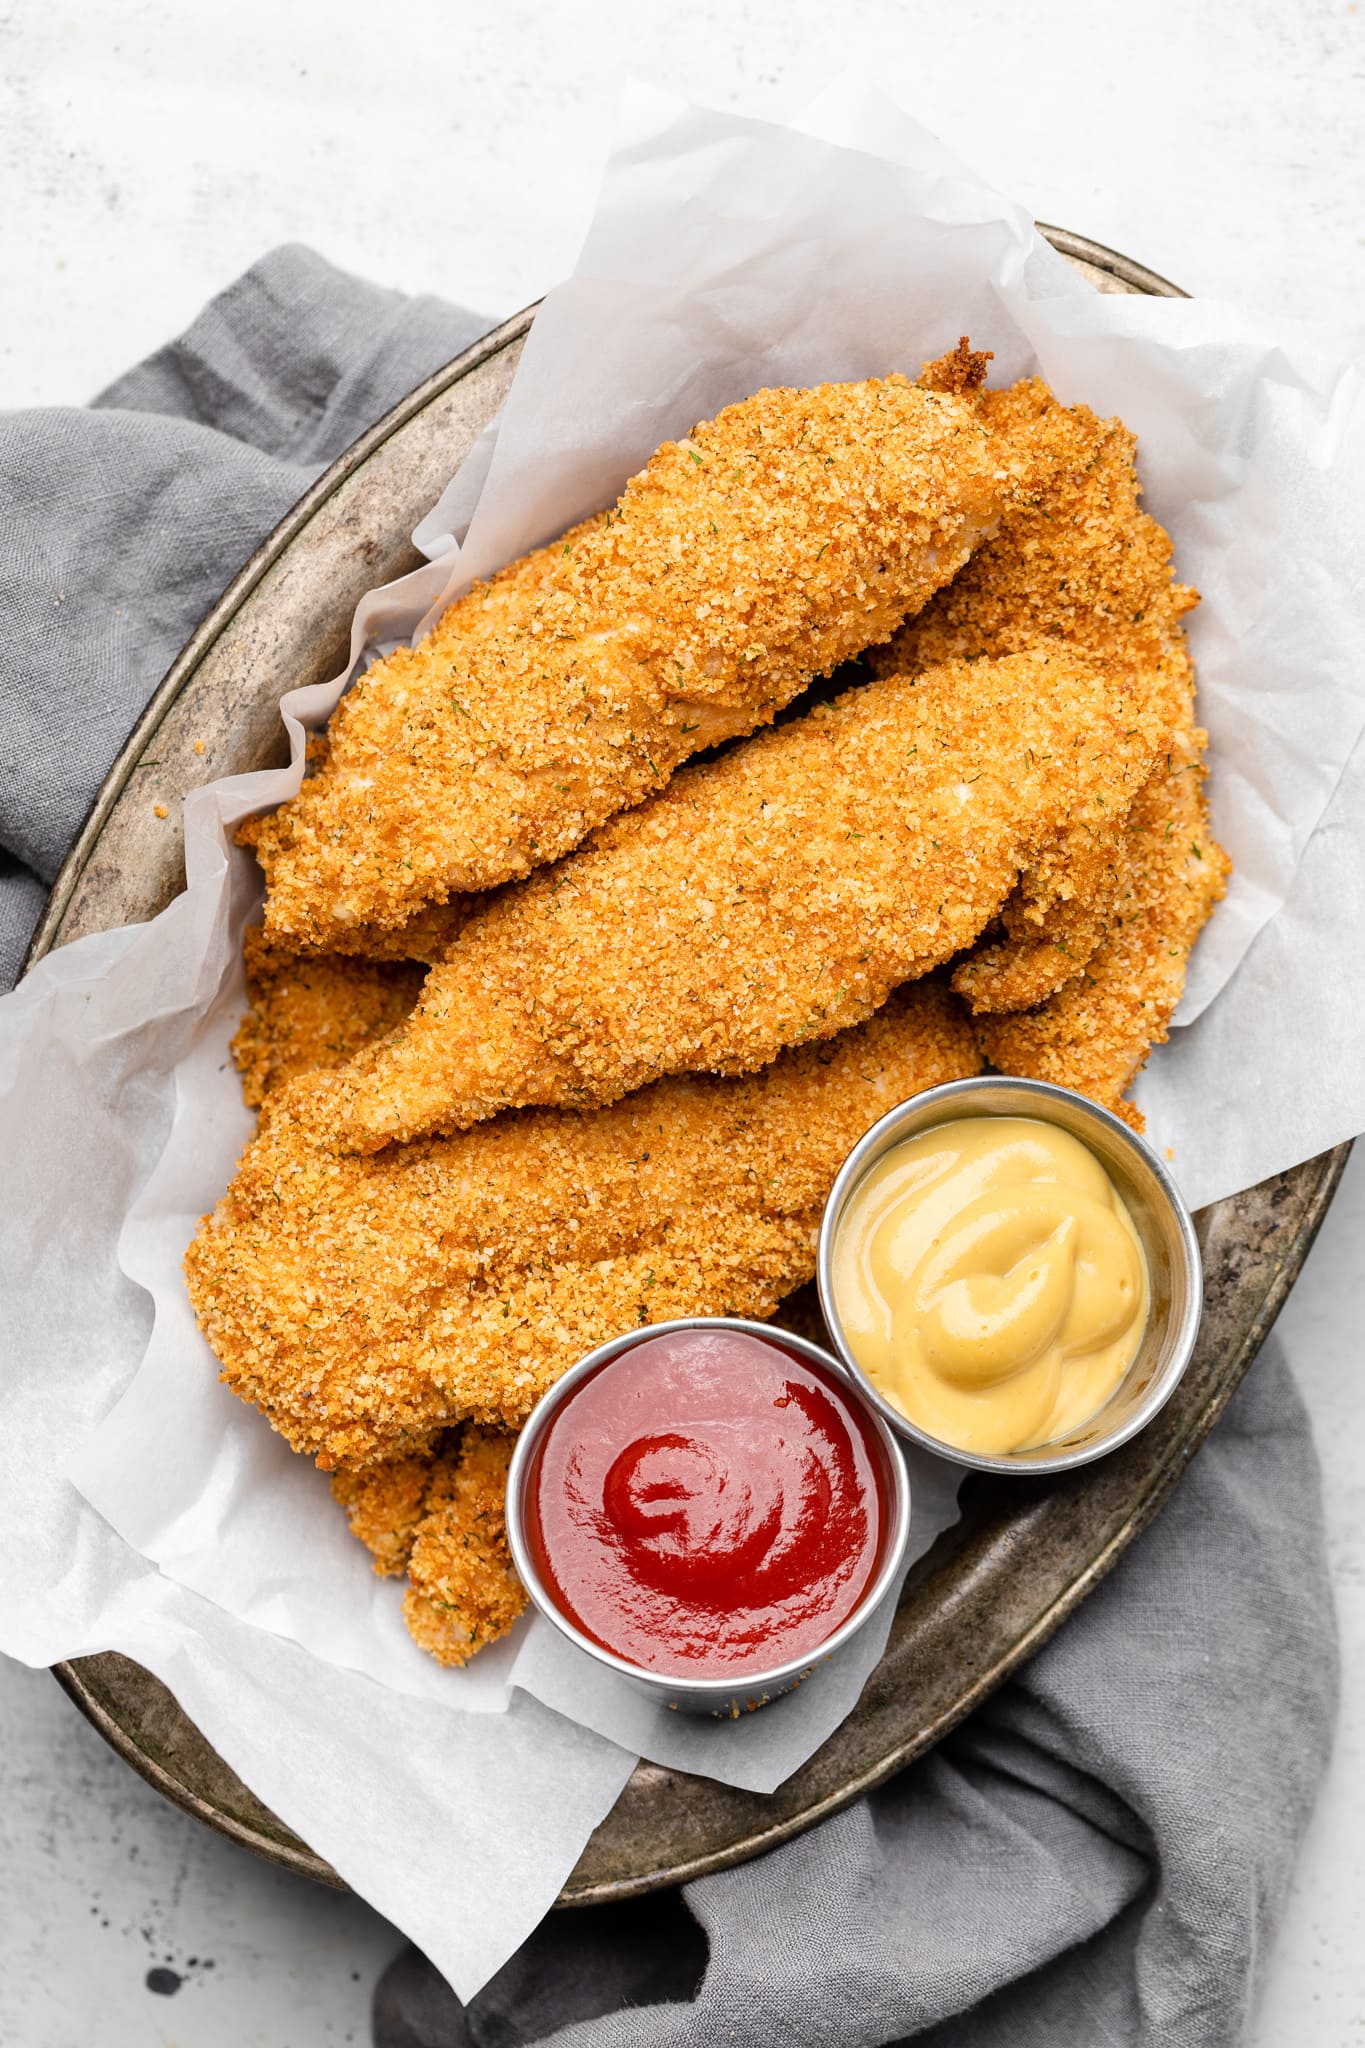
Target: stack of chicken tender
553,1034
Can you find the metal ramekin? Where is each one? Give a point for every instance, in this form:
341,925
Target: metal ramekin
1163,1224
725,1697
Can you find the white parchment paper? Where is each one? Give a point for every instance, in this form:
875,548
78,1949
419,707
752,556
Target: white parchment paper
146,1509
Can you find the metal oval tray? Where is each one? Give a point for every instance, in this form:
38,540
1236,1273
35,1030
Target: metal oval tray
1024,1554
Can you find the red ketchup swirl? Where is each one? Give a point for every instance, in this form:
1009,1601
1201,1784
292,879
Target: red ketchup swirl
708,1500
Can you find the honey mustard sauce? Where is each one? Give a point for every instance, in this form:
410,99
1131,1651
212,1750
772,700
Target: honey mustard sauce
990,1282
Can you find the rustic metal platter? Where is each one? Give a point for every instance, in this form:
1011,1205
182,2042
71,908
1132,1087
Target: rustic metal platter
1024,1554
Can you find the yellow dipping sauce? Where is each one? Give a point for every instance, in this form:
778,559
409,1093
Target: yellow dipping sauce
990,1282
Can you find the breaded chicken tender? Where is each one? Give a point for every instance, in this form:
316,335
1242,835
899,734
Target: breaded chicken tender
1074,559
462,1589
425,936
299,844
1033,956
440,1517
772,896
313,1010
1096,1032
794,530
366,1302
385,1504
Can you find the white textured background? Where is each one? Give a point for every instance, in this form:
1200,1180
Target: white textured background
149,149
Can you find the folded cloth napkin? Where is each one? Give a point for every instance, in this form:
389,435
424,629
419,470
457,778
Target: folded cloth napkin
1100,1853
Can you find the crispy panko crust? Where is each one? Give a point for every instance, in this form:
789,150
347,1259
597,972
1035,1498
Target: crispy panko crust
440,1518
340,814
1096,1032
801,1311
794,530
384,1505
424,937
462,1589
308,1011
766,898
366,1302
1074,559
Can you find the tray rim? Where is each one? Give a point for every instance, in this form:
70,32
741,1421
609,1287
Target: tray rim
1327,1169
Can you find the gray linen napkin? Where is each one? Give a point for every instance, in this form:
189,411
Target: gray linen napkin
1099,1855
120,524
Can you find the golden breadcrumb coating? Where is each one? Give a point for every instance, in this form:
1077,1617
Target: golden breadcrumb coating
1075,559
1096,1032
1030,961
384,1505
792,531
338,807
440,1518
425,936
962,371
462,1589
772,896
801,1311
313,1010
366,1302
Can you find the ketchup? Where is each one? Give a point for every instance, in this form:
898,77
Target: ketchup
708,1500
